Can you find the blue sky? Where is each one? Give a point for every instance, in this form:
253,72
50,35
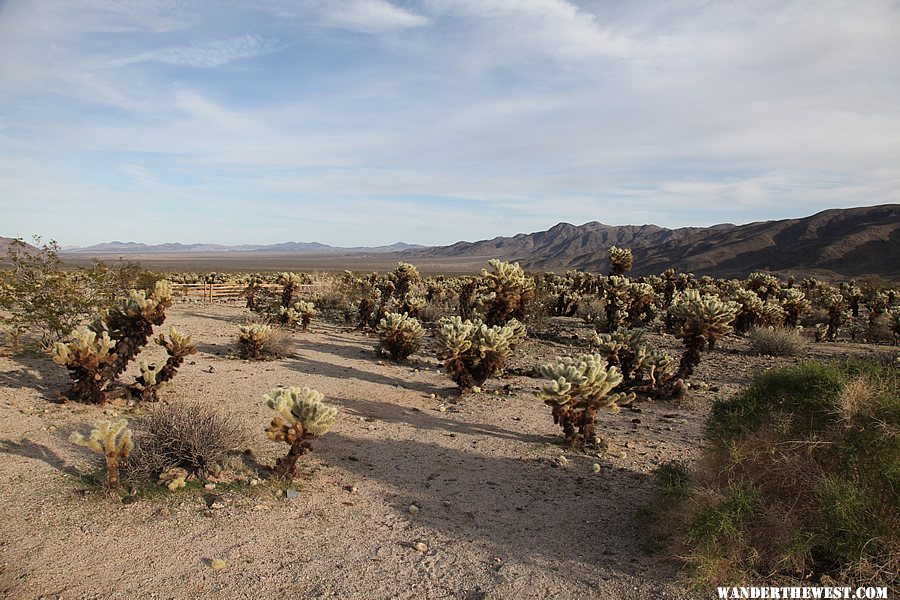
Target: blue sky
365,122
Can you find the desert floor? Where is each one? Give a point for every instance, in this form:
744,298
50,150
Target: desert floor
501,515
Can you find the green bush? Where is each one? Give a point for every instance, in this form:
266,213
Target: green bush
802,480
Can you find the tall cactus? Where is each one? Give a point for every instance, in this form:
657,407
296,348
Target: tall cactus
621,260
301,415
507,291
113,440
700,320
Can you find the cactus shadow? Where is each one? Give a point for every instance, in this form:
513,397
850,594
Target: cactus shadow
29,449
304,364
522,508
396,413
35,373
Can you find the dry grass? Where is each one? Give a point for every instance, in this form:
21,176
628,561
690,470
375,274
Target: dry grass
771,341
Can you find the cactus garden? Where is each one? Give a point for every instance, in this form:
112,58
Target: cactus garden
500,433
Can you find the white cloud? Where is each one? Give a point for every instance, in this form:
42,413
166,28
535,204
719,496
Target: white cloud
370,16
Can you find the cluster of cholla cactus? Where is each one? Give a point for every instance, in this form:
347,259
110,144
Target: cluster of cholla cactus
643,368
97,355
620,260
578,388
301,415
252,340
473,352
113,440
700,320
299,312
152,377
399,335
505,292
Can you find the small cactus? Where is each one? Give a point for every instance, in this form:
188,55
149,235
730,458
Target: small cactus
399,335
178,346
252,340
113,440
85,356
301,414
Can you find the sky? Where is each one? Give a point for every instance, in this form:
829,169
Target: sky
367,122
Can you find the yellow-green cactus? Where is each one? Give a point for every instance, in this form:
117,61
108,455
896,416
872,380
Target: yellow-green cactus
621,260
301,414
152,377
252,340
472,352
578,387
113,440
399,335
506,292
701,321
85,356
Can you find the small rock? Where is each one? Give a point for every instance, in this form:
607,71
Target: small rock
51,428
211,369
413,509
218,564
209,486
254,482
164,511
433,396
351,488
446,503
421,547
442,409
292,494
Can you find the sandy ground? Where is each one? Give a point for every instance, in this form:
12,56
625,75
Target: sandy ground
500,517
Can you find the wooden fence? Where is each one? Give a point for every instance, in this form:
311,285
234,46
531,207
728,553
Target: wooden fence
210,293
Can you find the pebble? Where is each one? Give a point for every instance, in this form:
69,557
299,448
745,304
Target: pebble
413,509
446,503
164,511
421,547
209,486
293,494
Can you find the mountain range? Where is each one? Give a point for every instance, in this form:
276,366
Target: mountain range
850,242
847,242
120,248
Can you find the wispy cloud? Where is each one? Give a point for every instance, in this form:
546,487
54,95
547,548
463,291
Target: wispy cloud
206,55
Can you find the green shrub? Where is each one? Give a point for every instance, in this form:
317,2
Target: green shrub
802,480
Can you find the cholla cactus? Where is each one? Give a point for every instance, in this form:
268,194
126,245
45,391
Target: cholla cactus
177,346
763,284
617,300
795,304
701,320
299,312
301,414
643,368
252,340
404,277
472,352
399,335
837,314
578,388
85,356
506,292
113,440
749,312
290,282
621,260
895,322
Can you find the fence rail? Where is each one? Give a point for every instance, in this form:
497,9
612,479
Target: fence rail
209,293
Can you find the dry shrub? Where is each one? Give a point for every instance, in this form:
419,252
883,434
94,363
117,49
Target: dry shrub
191,435
772,341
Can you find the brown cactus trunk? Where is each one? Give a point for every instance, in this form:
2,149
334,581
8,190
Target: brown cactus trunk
112,469
286,466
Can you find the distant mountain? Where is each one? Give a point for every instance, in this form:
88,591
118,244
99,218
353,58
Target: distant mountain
4,246
851,242
282,248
